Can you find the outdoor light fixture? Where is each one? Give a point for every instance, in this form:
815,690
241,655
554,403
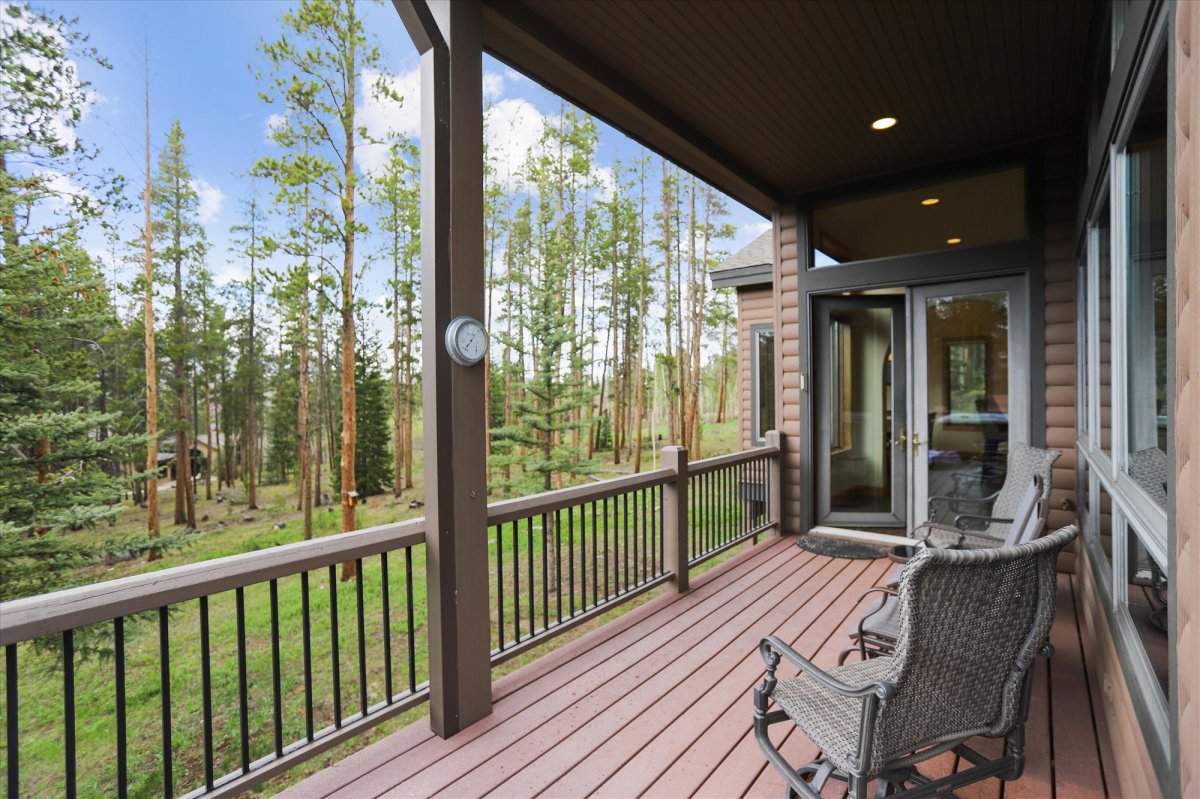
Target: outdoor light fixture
883,123
930,201
954,240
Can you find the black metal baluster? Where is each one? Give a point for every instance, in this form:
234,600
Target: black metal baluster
647,539
558,563
412,633
243,680
741,506
68,642
164,683
386,603
119,683
661,532
571,559
725,532
276,676
582,558
11,712
529,582
545,573
335,653
362,637
625,538
595,563
636,534
206,692
516,561
308,676
607,586
499,586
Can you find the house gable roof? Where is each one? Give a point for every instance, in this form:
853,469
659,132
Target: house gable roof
749,266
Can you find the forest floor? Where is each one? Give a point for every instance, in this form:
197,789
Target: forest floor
227,527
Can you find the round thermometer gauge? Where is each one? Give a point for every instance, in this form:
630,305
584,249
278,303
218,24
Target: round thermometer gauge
466,341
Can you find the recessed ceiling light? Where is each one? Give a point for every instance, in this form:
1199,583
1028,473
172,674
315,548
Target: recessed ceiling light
954,240
845,294
883,123
930,201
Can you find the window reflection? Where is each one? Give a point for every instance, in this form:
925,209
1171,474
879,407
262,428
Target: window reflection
764,382
1146,601
1146,292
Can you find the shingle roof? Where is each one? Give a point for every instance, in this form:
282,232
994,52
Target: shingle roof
757,253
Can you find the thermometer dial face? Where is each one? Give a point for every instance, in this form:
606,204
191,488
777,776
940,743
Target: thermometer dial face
466,341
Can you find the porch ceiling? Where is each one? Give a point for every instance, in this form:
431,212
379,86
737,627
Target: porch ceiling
769,100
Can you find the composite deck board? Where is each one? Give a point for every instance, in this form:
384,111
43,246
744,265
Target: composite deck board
657,702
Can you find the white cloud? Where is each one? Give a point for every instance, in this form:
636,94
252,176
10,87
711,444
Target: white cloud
513,76
230,273
383,117
493,85
212,199
512,129
272,123
602,176
752,230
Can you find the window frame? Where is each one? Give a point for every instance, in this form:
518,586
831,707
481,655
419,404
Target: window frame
756,331
1133,512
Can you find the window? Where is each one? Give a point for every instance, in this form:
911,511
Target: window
1124,348
981,209
1145,159
762,382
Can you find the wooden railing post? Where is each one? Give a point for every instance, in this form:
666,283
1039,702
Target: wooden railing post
675,516
449,38
775,480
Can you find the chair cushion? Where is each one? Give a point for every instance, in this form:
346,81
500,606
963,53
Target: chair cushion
830,719
885,623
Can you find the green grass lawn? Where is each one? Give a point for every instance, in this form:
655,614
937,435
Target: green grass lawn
229,528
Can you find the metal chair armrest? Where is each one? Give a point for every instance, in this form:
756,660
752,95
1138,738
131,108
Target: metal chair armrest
772,647
962,520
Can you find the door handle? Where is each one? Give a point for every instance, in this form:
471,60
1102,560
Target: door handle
916,444
902,439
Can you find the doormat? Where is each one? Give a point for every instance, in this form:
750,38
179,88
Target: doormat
832,548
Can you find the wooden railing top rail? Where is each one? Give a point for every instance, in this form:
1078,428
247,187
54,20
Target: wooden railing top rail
56,612
733,458
550,501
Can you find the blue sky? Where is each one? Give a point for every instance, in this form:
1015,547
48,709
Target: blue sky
199,58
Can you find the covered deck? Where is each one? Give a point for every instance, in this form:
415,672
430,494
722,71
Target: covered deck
657,703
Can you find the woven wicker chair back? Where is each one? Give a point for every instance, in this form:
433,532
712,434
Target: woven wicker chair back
1026,517
1024,462
1149,469
971,623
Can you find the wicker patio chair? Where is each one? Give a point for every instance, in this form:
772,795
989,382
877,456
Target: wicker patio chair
971,624
879,628
1150,470
991,516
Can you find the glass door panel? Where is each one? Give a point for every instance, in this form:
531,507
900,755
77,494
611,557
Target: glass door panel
970,388
860,410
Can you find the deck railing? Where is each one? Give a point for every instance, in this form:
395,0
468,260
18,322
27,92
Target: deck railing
215,657
233,707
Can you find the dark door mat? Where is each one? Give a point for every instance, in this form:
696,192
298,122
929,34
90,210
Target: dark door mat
832,548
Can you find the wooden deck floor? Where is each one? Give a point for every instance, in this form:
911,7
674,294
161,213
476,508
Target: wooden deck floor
657,703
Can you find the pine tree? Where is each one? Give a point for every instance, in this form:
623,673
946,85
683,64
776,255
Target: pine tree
373,462
175,205
56,446
317,63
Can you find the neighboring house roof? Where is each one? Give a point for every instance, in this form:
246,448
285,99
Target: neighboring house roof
749,266
202,440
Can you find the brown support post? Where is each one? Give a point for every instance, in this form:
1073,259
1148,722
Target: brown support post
675,516
775,480
449,38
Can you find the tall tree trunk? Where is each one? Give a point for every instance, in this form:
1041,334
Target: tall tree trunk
151,366
306,494
185,502
250,444
210,431
667,243
349,417
397,398
322,400
641,351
